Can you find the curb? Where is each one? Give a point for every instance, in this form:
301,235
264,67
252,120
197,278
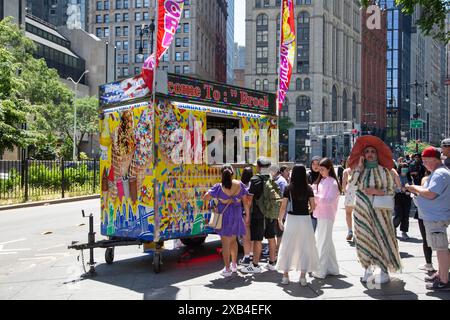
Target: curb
47,202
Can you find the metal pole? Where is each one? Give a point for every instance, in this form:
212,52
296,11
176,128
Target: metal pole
115,62
74,155
106,65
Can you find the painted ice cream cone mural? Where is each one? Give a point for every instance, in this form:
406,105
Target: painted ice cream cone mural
143,154
122,152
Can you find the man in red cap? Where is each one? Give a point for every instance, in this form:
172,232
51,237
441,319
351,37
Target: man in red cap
433,200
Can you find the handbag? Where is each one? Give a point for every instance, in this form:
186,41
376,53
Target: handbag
383,202
216,217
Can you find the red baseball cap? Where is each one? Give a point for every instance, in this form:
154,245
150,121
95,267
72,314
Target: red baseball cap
431,152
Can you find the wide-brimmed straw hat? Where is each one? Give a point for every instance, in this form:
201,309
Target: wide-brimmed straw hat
385,157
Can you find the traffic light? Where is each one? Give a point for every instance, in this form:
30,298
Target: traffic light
416,115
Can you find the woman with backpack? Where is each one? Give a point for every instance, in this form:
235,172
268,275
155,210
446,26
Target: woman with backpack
326,192
231,194
298,249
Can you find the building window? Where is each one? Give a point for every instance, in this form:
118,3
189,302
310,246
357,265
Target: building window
177,56
145,16
185,42
186,13
344,106
186,55
265,85
98,18
324,110
177,42
285,109
125,31
266,3
307,84
138,3
126,72
98,32
137,16
119,45
258,84
126,4
186,69
99,5
118,32
137,30
125,58
125,45
262,20
261,52
118,17
138,58
303,2
298,84
106,18
177,69
125,17
186,28
137,70
354,109
106,31
303,29
147,3
106,5
303,107
262,68
334,113
258,3
118,4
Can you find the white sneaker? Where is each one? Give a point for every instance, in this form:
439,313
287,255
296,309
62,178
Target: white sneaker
318,276
367,274
233,267
251,269
303,282
381,278
226,273
427,267
285,280
270,267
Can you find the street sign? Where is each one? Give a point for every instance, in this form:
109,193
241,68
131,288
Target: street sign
416,124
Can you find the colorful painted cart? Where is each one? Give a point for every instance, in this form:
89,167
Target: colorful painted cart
157,160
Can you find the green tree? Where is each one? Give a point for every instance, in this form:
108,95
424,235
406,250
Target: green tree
87,120
411,147
432,19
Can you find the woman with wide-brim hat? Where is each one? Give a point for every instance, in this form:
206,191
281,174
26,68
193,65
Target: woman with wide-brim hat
374,232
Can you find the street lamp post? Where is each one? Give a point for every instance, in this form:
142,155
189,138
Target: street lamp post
146,29
106,65
74,154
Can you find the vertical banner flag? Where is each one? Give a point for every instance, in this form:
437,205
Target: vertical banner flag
169,15
287,50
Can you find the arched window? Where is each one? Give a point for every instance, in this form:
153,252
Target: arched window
262,20
258,84
334,113
354,109
265,85
307,84
298,84
284,113
303,108
303,31
344,106
324,110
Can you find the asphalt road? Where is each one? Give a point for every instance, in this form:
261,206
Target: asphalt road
36,264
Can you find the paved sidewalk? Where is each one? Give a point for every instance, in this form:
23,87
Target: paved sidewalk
43,272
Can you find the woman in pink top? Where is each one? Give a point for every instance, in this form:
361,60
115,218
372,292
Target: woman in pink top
326,193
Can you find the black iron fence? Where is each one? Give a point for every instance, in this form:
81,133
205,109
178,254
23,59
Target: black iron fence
32,180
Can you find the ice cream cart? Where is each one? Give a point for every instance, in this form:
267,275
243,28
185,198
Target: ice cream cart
156,162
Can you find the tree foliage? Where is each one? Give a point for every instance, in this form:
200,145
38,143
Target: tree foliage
432,19
36,108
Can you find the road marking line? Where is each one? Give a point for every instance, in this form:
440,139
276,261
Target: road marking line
53,247
12,241
7,253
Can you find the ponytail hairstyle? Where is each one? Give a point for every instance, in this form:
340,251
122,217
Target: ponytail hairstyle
247,174
227,176
328,164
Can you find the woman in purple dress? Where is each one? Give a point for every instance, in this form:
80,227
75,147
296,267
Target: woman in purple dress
230,193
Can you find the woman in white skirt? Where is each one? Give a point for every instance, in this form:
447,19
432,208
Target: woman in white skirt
326,193
298,251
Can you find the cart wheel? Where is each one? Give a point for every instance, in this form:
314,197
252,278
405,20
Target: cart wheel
157,262
193,242
109,255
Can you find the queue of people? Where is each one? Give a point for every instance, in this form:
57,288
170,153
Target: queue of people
378,198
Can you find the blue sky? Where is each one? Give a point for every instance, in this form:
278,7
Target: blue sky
239,22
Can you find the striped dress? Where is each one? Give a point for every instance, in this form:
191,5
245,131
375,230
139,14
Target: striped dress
375,238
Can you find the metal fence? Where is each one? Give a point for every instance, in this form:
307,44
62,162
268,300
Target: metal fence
32,180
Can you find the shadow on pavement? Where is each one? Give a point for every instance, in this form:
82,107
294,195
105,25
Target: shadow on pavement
394,290
405,255
136,273
410,240
331,282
